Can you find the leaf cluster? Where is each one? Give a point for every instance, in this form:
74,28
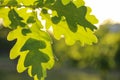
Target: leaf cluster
68,18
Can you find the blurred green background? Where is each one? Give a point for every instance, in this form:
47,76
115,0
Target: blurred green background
100,61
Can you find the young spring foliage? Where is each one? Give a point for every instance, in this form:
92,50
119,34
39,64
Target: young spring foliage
68,18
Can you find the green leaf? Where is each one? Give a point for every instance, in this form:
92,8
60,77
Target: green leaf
41,35
26,31
55,19
36,44
74,18
31,19
24,13
15,19
34,50
35,58
82,35
77,25
12,3
30,16
69,18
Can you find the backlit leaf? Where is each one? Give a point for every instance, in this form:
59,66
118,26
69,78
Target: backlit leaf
26,2
34,50
78,3
82,35
69,19
15,19
35,58
4,16
74,26
65,2
1,1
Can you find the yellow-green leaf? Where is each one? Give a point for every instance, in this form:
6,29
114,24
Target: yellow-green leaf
21,39
65,2
82,35
78,3
26,2
4,16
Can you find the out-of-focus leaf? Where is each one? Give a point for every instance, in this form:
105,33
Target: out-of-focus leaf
1,1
